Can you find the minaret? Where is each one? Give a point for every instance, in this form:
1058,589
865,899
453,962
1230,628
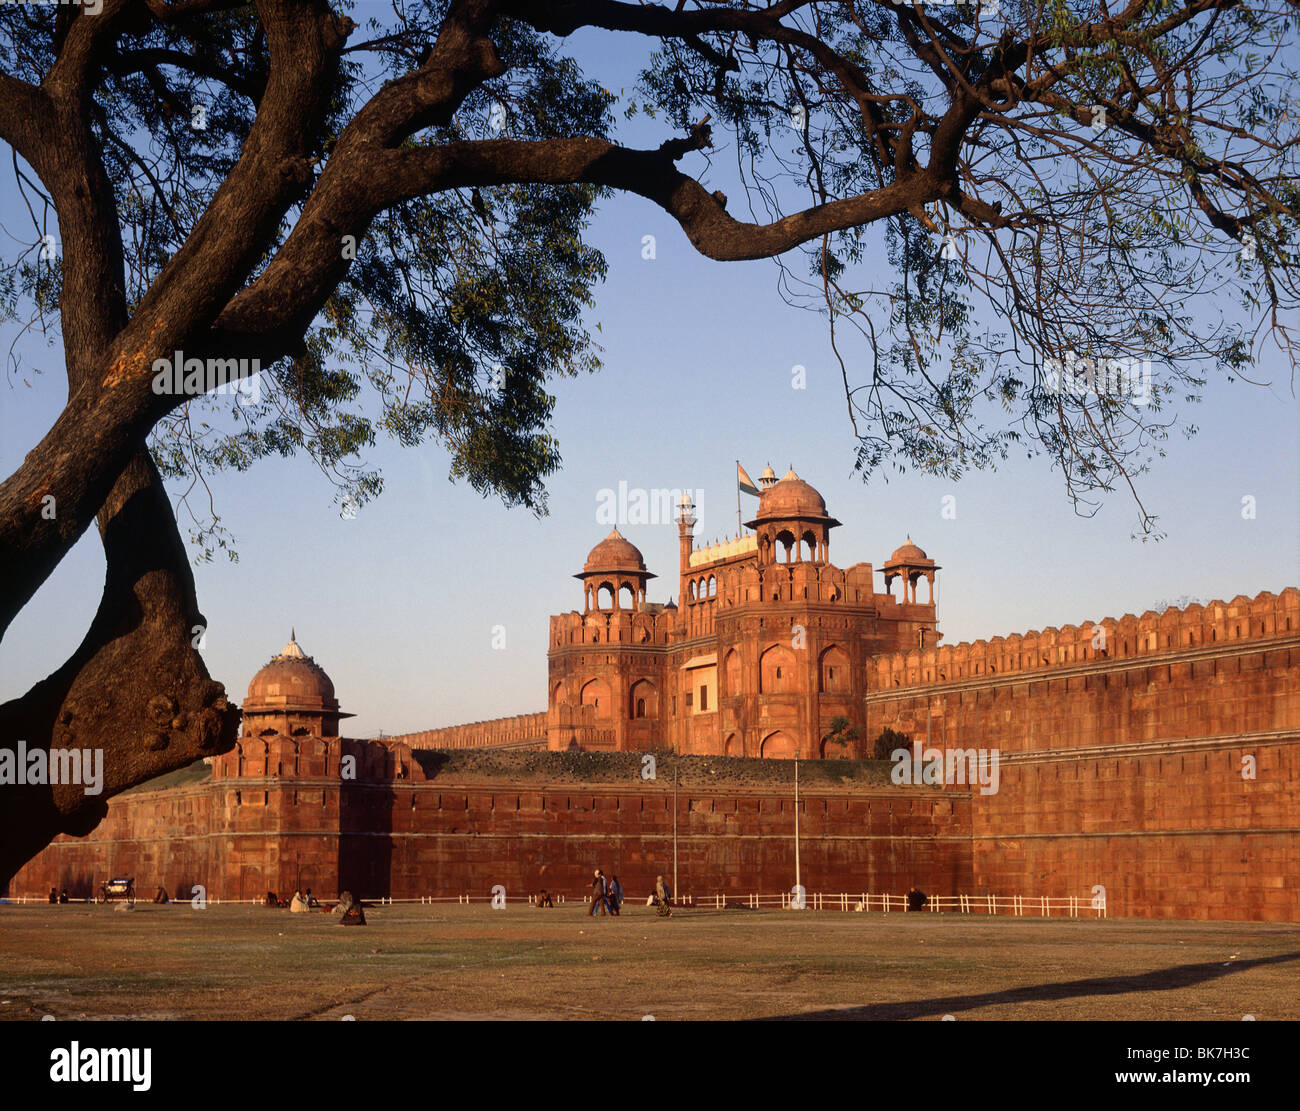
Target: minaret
686,537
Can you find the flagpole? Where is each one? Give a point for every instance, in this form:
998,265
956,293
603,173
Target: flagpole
739,527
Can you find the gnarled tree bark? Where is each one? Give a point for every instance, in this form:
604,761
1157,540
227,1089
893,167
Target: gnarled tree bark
136,688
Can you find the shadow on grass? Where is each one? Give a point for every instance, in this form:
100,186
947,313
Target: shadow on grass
1163,979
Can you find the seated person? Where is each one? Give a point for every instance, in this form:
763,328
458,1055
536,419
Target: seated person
63,895
161,896
353,915
298,905
312,901
54,895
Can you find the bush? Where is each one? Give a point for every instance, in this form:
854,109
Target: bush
889,740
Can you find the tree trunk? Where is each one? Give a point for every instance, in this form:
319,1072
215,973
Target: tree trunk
136,689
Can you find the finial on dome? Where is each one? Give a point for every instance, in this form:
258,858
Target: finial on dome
292,650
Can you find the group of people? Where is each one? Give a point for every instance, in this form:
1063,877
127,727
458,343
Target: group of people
301,902
57,896
607,895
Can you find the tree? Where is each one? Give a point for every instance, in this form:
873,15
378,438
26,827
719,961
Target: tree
842,734
384,223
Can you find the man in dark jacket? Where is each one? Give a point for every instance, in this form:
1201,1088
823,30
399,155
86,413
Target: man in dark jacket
599,894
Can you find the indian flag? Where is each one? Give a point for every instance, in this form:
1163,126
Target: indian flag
743,480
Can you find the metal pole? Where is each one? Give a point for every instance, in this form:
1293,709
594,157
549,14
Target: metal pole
674,821
797,881
739,527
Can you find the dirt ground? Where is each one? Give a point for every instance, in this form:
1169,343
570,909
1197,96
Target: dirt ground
473,962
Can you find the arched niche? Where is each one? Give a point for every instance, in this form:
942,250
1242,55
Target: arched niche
776,671
778,746
643,700
595,693
834,670
731,671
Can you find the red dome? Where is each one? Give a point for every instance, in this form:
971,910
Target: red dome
790,497
908,553
614,553
292,676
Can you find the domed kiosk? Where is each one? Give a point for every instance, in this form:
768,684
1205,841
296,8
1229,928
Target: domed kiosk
292,695
792,517
910,564
615,564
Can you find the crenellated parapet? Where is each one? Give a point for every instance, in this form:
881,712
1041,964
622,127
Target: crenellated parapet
280,757
747,583
645,625
276,755
520,730
1197,626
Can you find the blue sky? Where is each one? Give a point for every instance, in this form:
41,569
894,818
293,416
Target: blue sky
399,603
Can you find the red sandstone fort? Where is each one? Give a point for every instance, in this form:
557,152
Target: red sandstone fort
1157,756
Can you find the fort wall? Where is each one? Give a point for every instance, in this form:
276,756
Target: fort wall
1156,757
407,837
1162,766
520,731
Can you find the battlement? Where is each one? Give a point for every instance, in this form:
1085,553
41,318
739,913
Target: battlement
742,583
276,756
520,731
644,626
1197,626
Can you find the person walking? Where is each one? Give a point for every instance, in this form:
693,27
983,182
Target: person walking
663,897
615,895
599,895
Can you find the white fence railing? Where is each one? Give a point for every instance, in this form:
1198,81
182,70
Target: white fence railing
1064,906
1045,906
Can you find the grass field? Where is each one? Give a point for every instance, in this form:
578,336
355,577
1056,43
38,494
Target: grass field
473,962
